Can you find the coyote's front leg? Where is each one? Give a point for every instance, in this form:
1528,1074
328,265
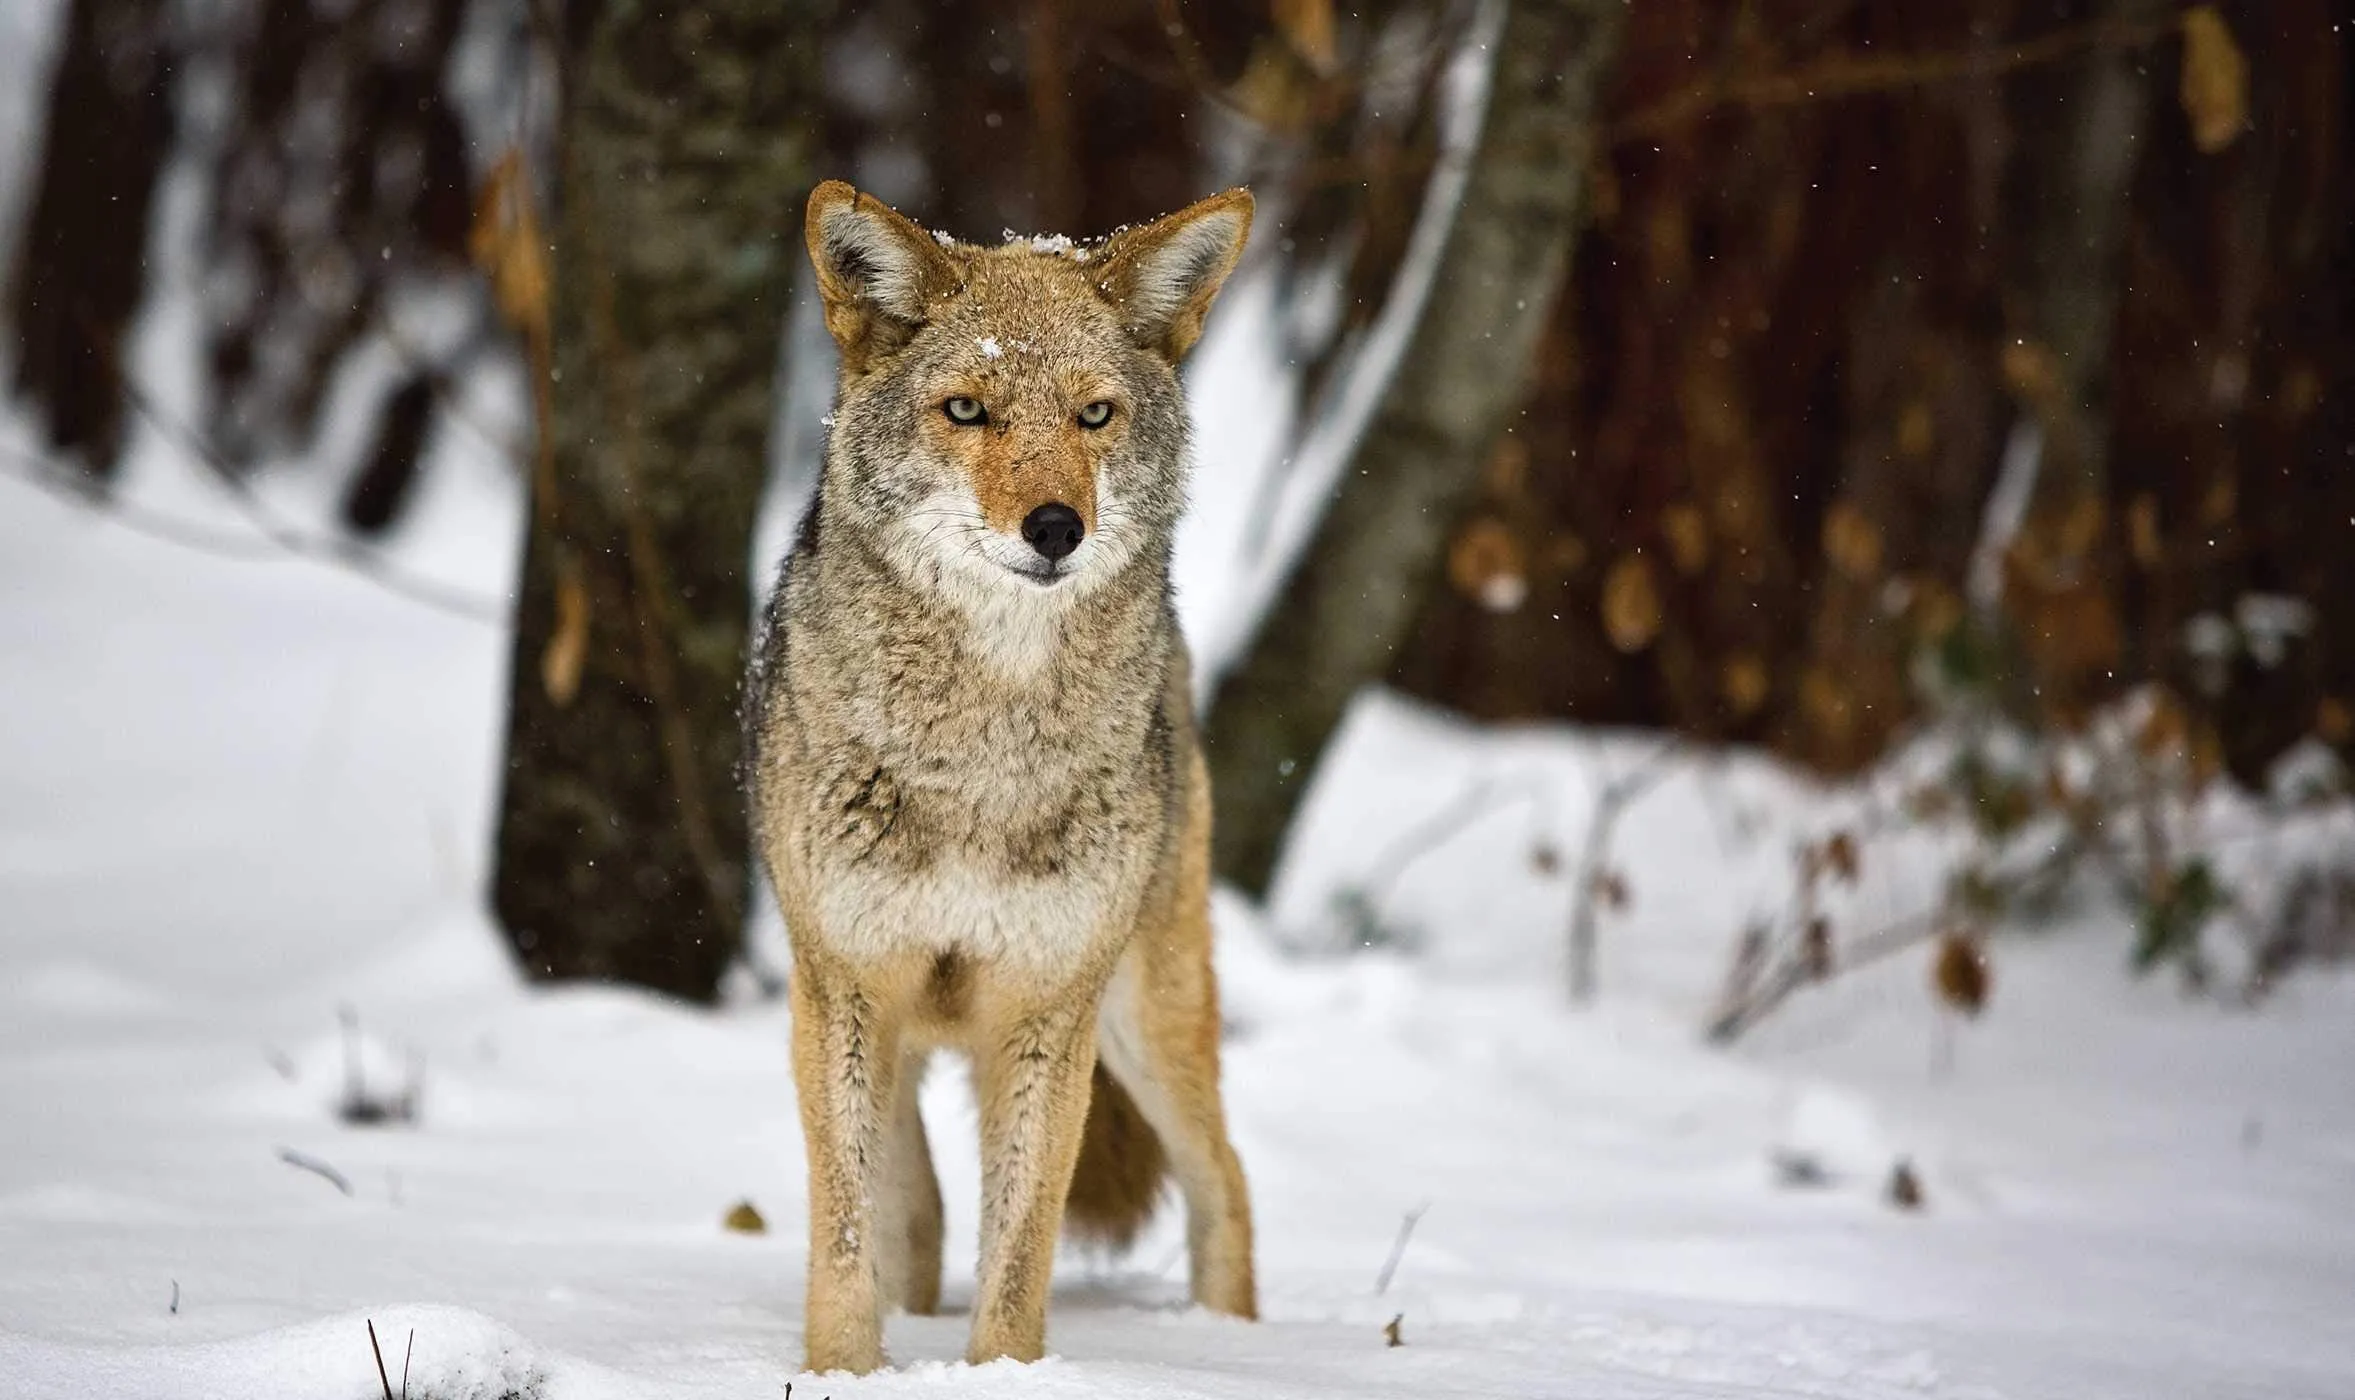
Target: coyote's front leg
845,1061
1032,1071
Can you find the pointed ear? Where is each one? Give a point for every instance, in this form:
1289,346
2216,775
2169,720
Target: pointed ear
877,271
1162,277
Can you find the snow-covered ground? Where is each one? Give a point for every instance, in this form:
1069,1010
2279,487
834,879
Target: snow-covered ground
236,797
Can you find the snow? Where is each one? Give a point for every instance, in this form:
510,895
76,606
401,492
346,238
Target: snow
237,797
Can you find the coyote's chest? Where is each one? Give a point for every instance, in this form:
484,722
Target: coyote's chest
999,844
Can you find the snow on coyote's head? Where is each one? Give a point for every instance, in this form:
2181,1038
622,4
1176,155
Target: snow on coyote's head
1009,418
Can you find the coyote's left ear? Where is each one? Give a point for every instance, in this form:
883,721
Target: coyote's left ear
1162,277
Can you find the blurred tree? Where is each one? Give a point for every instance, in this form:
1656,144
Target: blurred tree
81,264
1352,599
339,179
686,136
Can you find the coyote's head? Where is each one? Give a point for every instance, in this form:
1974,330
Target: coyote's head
1009,418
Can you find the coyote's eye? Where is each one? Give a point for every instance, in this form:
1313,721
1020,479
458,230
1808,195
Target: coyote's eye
967,412
1095,415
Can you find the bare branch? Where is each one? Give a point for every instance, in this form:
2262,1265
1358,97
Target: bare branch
1850,74
1617,795
1406,1230
379,1351
305,1162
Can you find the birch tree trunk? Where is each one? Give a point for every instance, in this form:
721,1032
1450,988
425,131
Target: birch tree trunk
621,843
1353,597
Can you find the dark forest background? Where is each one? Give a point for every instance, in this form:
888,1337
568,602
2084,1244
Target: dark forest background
1782,369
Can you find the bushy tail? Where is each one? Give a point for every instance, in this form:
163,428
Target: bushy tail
1121,1164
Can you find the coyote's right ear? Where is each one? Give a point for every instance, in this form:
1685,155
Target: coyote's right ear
877,272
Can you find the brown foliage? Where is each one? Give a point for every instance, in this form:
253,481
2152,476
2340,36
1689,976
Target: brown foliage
1960,975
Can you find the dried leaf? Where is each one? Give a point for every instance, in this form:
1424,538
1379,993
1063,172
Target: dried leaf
2207,756
1937,610
1905,1187
2333,720
745,1220
1544,860
2215,88
1279,88
1307,25
568,645
1841,857
1815,949
1390,1334
1508,467
1687,533
1745,683
1961,975
506,243
2142,531
1916,430
1631,604
1603,199
2081,526
1610,890
2301,391
2220,502
1929,804
1852,541
1486,565
2031,372
1825,702
2162,730
1565,554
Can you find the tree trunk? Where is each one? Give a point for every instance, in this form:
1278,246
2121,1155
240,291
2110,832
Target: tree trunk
2067,210
81,270
340,181
621,845
1353,597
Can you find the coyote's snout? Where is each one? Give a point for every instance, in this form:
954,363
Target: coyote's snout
976,780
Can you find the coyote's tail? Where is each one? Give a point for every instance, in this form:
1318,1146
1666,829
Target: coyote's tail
1121,1164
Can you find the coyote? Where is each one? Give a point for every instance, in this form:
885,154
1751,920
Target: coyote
974,771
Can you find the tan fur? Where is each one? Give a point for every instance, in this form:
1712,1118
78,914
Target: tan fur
976,779
1117,1182
1017,466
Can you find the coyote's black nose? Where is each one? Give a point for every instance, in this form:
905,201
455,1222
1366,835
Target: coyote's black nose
1053,529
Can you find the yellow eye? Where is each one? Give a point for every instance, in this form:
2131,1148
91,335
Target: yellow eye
1095,415
967,412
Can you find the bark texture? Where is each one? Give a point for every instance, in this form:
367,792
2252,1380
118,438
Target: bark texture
1353,598
621,843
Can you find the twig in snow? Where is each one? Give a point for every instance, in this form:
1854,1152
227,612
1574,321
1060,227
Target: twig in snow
1611,803
1406,1230
1481,799
1477,801
175,1309
407,1352
1765,988
381,1377
365,1109
306,1162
